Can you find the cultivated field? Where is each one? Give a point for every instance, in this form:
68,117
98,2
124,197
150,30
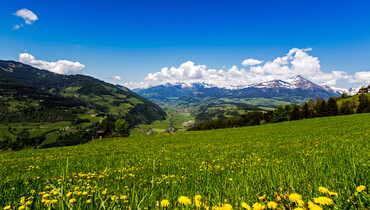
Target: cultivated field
280,166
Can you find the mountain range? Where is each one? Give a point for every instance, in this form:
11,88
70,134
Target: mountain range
295,90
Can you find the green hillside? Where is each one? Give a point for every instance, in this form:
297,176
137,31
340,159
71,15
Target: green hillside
39,108
229,166
102,97
353,99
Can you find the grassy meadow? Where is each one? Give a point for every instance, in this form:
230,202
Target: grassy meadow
319,163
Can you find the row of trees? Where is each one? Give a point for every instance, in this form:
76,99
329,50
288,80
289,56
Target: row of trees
321,108
250,119
313,108
23,140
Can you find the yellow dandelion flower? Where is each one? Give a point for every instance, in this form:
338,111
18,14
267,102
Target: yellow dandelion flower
278,198
360,188
69,194
313,206
299,208
184,200
246,206
227,207
294,197
300,203
72,200
258,206
333,193
21,208
104,192
46,195
85,193
165,203
324,190
197,197
272,205
88,201
197,201
262,197
323,200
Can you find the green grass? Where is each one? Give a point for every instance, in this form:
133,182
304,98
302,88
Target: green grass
229,165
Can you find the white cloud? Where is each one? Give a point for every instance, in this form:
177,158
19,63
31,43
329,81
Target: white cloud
117,78
361,76
28,16
134,85
295,62
16,27
251,62
60,66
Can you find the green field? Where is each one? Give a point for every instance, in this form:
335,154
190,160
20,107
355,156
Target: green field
51,129
173,121
257,164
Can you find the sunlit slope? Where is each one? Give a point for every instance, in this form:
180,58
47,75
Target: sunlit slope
235,164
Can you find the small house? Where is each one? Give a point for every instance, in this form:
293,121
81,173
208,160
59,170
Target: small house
100,134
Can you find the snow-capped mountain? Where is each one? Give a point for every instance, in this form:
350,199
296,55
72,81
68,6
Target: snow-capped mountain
274,84
295,89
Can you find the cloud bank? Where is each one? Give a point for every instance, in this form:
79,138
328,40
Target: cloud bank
116,78
28,16
295,62
60,66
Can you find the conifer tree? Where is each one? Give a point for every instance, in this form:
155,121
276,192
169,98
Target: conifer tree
306,113
364,105
280,114
295,114
346,108
332,107
256,119
321,108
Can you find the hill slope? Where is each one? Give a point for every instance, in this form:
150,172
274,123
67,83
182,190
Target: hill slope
236,165
39,107
23,103
98,95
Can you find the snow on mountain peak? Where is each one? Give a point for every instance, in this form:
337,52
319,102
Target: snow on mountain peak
296,82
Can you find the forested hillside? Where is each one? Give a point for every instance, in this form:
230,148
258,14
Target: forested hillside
39,101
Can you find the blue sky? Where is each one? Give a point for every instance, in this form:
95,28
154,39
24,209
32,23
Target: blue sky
131,39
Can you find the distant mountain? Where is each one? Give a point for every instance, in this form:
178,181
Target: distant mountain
96,95
296,90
